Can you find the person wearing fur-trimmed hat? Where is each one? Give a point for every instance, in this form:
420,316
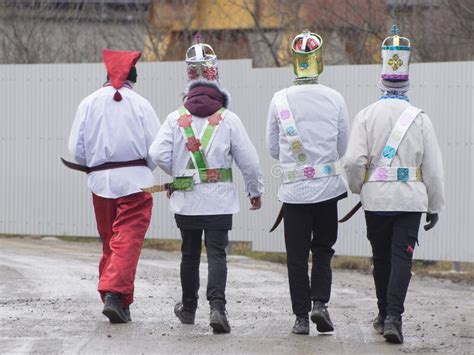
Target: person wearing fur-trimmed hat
110,137
307,132
197,146
394,162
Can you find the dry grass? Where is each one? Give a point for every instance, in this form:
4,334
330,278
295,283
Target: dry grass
436,269
352,263
163,244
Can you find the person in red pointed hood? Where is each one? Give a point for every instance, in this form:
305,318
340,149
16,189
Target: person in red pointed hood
120,68
110,138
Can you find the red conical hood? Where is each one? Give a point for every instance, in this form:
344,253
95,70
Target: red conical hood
118,64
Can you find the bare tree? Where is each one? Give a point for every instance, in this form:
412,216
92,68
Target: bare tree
40,31
44,31
439,30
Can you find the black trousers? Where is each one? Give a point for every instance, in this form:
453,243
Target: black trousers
216,238
309,227
393,240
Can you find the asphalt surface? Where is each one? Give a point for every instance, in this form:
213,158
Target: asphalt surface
49,305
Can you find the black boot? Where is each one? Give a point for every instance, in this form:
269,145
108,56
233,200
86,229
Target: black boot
393,330
185,313
113,309
378,323
301,325
218,318
320,316
126,310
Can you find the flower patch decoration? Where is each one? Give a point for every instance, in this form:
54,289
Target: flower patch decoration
309,172
395,62
405,120
185,121
291,175
402,174
381,174
284,114
215,119
193,73
296,146
397,135
212,175
210,73
327,169
193,144
291,131
388,152
302,157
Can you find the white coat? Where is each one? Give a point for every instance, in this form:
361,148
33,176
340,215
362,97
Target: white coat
321,119
105,131
419,148
231,143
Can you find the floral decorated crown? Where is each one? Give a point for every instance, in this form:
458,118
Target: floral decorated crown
201,61
395,57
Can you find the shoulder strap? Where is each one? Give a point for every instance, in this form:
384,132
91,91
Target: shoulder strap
288,125
210,128
193,144
396,136
204,142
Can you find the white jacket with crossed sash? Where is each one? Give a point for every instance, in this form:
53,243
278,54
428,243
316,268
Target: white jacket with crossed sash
419,148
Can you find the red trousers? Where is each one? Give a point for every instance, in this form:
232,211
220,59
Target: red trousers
122,223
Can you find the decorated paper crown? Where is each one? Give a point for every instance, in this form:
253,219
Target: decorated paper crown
201,61
395,57
307,53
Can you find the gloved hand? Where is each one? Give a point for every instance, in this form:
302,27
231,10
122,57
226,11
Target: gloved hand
432,219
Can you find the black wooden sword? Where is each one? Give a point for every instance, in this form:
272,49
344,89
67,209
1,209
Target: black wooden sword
278,220
351,213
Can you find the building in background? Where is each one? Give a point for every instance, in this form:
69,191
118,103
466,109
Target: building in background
443,30
44,31
261,29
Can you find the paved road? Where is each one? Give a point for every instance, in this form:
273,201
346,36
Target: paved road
48,304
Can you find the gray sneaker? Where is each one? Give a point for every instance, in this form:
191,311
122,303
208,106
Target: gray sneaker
301,325
320,316
218,320
185,314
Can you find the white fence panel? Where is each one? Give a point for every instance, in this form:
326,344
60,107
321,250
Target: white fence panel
40,196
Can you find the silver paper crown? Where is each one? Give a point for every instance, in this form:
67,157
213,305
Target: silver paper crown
201,61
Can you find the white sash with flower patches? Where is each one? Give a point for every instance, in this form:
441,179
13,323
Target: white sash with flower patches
304,169
383,170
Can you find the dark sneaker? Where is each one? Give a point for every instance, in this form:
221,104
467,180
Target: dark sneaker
392,331
378,323
185,314
126,310
218,320
320,316
301,325
113,309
